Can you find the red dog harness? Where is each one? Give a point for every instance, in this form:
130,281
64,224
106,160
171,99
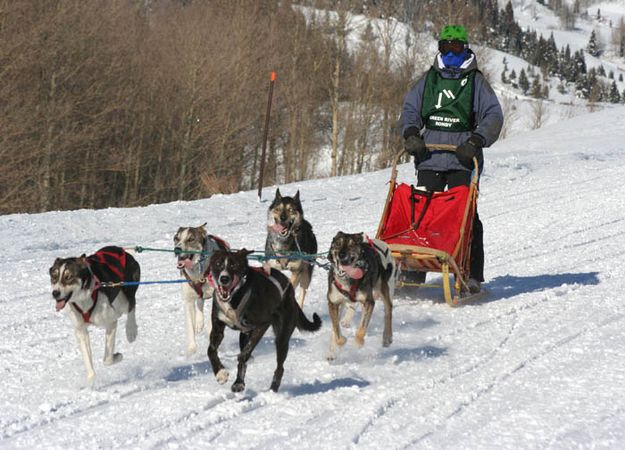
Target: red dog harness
115,262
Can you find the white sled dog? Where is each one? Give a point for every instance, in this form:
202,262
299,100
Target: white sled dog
193,248
76,288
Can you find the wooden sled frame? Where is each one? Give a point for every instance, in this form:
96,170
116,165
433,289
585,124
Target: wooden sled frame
431,260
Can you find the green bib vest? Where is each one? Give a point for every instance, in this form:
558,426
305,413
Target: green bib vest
448,103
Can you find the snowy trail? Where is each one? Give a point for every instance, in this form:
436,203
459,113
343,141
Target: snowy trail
536,364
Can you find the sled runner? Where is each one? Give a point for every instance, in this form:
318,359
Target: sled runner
431,231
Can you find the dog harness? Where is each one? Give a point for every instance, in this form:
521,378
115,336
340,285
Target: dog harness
235,314
213,243
353,288
284,262
86,316
354,284
110,261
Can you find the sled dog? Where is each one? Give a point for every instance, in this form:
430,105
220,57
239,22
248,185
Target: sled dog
287,232
250,300
193,247
362,270
76,288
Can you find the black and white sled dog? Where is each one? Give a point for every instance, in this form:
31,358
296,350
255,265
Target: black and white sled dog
193,247
288,232
76,287
250,300
362,271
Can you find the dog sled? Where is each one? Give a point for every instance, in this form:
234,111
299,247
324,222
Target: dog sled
431,231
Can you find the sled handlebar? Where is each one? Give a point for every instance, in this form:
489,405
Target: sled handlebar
432,148
446,147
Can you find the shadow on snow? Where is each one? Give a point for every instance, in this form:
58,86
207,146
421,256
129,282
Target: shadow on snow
511,285
318,386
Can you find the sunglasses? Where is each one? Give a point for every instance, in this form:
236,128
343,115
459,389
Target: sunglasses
455,47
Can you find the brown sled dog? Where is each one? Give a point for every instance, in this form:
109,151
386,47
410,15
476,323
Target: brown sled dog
362,271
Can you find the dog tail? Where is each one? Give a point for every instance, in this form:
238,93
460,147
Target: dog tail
303,324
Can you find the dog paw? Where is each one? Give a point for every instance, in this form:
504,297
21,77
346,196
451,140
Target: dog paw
90,378
346,323
330,356
131,333
117,357
199,322
340,341
360,339
238,386
222,376
387,341
191,349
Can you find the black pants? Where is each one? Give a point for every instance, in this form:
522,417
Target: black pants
436,181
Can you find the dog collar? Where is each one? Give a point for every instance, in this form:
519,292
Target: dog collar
196,285
353,288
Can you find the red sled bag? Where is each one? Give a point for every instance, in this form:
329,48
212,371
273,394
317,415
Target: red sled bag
426,219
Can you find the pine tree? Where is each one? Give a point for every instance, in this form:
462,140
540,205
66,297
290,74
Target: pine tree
613,95
580,64
592,47
545,93
611,75
524,83
504,80
623,95
537,89
620,77
601,70
513,75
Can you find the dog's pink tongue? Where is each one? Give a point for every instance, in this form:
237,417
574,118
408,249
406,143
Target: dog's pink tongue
277,228
355,273
185,264
60,305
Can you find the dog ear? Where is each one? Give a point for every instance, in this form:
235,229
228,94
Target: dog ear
359,238
245,252
298,203
278,195
203,226
85,277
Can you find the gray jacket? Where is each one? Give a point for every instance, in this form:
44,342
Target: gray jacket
488,117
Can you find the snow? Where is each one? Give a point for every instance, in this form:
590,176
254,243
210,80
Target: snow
537,364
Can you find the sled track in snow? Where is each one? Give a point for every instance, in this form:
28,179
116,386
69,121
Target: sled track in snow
478,394
71,409
513,314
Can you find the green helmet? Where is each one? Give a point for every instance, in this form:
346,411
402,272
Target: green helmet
454,33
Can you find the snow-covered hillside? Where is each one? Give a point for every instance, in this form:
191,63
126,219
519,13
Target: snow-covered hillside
525,113
537,364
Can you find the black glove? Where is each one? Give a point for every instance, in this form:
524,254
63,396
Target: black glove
468,150
415,146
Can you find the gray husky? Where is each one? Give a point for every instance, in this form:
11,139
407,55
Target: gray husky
288,232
